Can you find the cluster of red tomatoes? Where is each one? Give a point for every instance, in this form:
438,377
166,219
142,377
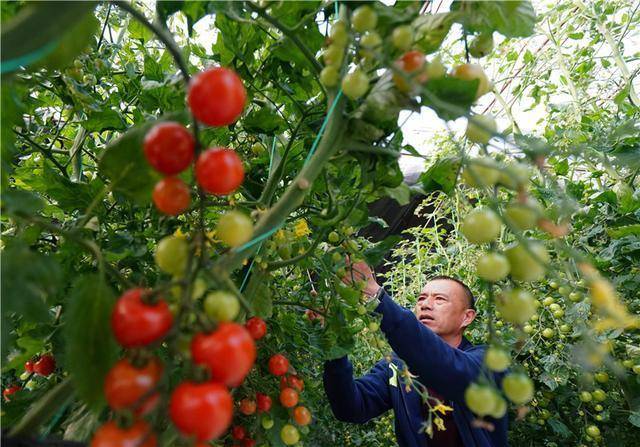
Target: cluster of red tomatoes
43,366
216,97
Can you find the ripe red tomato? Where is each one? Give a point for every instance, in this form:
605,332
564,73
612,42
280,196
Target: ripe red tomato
288,397
278,365
169,148
171,196
110,435
136,323
219,171
45,365
263,402
28,366
256,327
229,352
247,406
302,415
412,61
125,385
216,96
203,410
7,392
248,442
294,382
238,432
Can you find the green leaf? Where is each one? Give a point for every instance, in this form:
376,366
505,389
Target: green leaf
626,230
559,427
441,175
259,294
431,30
17,201
562,167
263,120
449,97
401,193
90,347
124,164
375,254
510,18
634,418
38,30
102,120
76,39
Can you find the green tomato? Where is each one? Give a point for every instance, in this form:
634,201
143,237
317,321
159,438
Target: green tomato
480,399
234,228
558,313
518,388
523,216
575,296
289,434
492,267
524,267
481,46
480,128
361,310
548,332
585,396
337,257
333,55
370,40
593,431
500,408
480,172
329,76
481,225
339,34
497,359
636,369
565,328
602,377
266,421
257,148
402,37
548,301
563,290
171,255
599,395
514,176
364,18
516,306
355,84
374,326
221,306
333,237
528,329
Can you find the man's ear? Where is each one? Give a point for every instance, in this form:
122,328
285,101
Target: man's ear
469,316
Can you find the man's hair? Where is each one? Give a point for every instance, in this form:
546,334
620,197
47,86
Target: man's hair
471,300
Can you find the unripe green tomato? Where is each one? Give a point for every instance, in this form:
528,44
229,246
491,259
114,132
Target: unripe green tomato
355,84
516,305
89,79
99,64
337,257
333,55
333,237
518,388
497,359
289,434
171,255
548,332
627,363
553,285
266,421
480,172
364,18
593,431
558,313
499,324
599,395
481,45
554,306
371,40
435,69
524,267
528,329
361,310
480,128
339,34
25,375
374,326
534,317
563,290
78,63
481,225
636,369
221,306
598,417
548,301
257,148
575,296
565,328
499,409
523,216
329,76
348,230
598,407
585,396
402,37
234,228
492,267
31,385
480,399
514,176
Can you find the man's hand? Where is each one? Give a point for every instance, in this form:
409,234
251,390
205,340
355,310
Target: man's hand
360,271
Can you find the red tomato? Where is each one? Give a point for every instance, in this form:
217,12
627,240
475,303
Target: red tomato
125,385
263,402
110,435
278,365
229,352
45,365
203,410
248,442
291,381
28,366
219,171
136,323
247,406
256,327
7,392
169,148
171,196
288,397
302,415
216,96
412,61
238,432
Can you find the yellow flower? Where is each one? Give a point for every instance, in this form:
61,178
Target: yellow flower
301,228
429,430
179,233
442,408
439,422
280,236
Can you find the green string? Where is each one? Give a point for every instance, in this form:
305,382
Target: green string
26,59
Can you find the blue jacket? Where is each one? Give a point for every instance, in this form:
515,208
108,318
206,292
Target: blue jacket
438,366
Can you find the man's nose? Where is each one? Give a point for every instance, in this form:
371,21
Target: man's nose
426,304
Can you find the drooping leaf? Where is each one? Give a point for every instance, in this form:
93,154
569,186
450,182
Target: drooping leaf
375,254
449,97
90,347
441,175
515,18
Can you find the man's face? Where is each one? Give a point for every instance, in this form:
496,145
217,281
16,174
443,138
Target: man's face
443,307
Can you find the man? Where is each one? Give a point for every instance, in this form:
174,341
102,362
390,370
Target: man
430,342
